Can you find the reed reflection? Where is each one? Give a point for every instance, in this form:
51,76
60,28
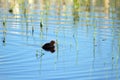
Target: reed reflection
75,11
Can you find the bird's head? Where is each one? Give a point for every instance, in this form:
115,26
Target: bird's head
52,42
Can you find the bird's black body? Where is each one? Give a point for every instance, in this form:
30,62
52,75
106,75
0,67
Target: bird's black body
49,47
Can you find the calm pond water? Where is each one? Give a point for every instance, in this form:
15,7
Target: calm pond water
86,32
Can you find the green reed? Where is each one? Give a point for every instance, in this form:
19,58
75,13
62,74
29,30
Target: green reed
45,13
39,55
11,10
41,29
57,43
94,23
41,25
24,10
113,27
75,10
57,48
4,31
117,57
47,6
76,44
76,4
32,28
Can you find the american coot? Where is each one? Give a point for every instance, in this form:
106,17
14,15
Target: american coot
49,46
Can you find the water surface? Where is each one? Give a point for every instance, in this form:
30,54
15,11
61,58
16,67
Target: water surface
87,35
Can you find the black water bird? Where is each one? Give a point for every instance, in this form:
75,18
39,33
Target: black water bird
49,46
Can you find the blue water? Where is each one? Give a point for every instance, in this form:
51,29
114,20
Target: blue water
87,44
